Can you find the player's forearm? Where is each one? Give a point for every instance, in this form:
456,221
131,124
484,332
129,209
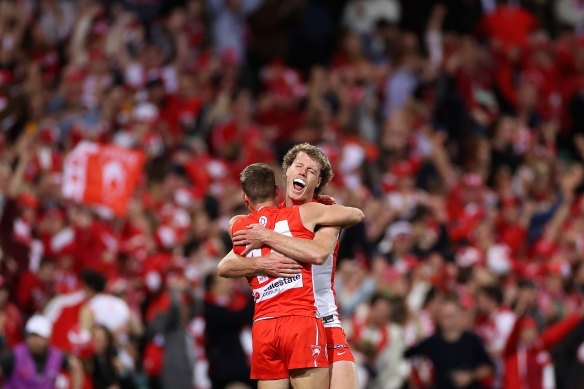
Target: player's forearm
314,251
234,266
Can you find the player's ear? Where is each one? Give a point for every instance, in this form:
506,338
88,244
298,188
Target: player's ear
277,191
245,199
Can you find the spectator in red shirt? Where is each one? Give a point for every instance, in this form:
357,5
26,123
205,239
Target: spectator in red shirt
509,24
527,361
35,288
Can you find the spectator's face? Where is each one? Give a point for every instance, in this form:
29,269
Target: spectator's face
352,45
527,295
554,284
195,8
36,344
302,178
100,340
156,94
406,183
510,214
528,336
47,272
379,314
28,214
527,95
450,317
3,296
242,106
223,286
4,176
402,244
579,276
484,303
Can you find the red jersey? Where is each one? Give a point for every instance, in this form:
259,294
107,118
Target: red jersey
277,297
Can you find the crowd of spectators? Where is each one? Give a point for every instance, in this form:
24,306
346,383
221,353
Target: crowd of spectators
457,126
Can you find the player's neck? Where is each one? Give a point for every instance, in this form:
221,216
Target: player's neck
258,206
290,202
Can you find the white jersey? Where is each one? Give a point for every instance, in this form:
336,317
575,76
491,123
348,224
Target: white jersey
323,279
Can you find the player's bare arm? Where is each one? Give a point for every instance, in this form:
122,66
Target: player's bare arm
315,251
273,264
314,214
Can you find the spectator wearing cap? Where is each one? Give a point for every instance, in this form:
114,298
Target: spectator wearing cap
459,357
35,363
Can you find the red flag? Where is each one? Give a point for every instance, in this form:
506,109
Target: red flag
102,175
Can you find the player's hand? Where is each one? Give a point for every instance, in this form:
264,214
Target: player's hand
278,265
326,200
254,237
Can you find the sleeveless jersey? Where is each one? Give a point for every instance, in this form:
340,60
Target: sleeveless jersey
277,297
324,282
324,291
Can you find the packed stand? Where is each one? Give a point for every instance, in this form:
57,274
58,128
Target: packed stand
456,126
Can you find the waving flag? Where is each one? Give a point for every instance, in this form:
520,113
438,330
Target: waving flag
102,175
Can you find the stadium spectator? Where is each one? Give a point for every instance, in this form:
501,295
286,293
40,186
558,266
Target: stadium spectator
463,118
459,357
228,314
35,362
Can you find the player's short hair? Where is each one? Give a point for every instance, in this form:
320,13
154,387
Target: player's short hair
326,170
258,182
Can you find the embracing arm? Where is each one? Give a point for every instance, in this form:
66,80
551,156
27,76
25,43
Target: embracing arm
313,214
273,265
315,251
233,266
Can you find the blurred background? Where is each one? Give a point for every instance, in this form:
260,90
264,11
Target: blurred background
456,125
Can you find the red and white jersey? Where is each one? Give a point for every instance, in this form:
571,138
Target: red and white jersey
324,282
278,297
495,329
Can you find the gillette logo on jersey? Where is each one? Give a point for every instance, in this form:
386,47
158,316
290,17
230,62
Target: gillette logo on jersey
277,286
278,297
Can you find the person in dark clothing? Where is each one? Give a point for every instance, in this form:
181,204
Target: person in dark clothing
459,357
227,312
105,367
568,359
179,358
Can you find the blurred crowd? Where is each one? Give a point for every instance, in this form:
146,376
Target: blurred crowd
457,126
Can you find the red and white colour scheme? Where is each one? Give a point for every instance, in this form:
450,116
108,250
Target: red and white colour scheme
287,334
102,175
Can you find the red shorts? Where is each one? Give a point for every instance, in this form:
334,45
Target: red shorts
285,343
338,348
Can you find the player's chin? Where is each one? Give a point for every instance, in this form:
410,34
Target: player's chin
298,195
